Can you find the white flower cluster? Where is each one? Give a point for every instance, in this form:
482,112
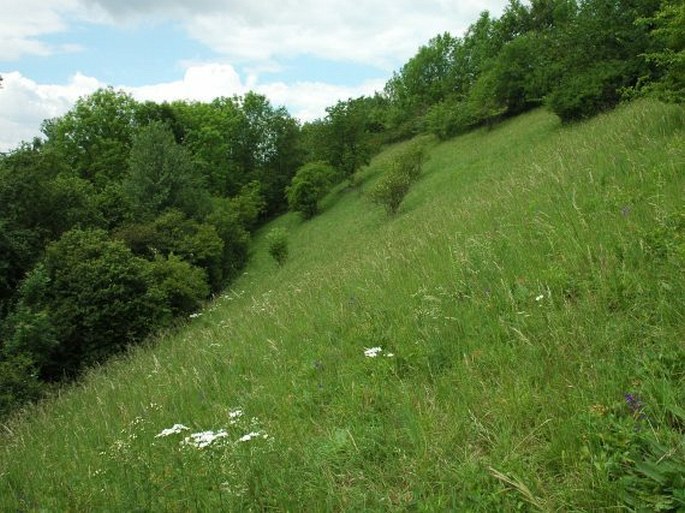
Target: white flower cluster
253,434
373,352
173,430
203,439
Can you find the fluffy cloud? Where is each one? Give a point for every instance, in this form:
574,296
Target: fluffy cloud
304,100
24,22
200,82
375,32
25,104
307,101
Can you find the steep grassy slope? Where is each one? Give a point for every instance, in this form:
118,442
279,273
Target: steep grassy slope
533,278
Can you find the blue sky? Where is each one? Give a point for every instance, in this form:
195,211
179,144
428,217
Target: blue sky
303,54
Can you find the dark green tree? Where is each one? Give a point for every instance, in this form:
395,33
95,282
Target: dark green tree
426,78
229,218
212,135
270,146
174,233
89,298
162,176
40,200
347,137
600,56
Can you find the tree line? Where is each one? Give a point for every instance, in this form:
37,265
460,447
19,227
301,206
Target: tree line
127,215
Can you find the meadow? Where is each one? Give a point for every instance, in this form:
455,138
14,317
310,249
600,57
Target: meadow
512,339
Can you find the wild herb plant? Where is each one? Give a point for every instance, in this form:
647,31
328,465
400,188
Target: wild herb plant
277,241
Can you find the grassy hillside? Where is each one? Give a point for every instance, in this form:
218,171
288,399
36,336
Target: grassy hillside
529,300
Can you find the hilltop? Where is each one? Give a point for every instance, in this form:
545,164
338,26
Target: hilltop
512,338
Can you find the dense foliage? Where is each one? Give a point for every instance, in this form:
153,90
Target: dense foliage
124,217
129,213
310,184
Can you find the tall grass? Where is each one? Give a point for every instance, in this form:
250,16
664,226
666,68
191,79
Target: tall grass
532,278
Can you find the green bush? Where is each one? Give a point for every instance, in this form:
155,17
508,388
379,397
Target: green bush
410,161
309,185
249,205
390,190
19,383
277,243
183,286
95,297
583,94
449,118
30,328
172,232
393,186
228,220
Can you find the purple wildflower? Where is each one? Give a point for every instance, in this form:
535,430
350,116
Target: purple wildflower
635,406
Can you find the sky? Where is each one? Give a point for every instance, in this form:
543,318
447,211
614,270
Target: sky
302,54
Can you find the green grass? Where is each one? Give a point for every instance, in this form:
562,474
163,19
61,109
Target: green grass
532,278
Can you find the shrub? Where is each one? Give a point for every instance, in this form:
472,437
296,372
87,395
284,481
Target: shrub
18,383
182,285
95,296
410,161
449,118
584,94
277,241
172,232
391,188
309,185
249,205
227,219
31,332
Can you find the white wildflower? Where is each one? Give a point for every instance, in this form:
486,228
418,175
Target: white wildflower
195,315
204,438
540,297
251,435
234,415
372,352
176,428
390,355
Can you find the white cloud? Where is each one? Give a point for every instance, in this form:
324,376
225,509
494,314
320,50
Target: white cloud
375,32
202,82
307,101
23,22
25,104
